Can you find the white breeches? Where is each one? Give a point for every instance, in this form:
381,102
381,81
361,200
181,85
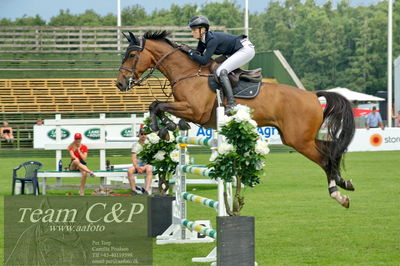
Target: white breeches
238,59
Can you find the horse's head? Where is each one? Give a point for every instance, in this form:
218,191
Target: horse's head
135,62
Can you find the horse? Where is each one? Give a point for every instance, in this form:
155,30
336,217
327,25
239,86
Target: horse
296,113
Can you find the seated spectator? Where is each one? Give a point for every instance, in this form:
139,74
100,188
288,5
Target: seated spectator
39,122
139,166
7,132
79,153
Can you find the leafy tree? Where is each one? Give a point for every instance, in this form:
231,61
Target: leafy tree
30,21
64,18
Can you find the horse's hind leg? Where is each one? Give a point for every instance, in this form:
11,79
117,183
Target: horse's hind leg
345,184
310,150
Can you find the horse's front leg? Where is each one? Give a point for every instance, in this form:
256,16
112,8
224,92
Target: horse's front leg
182,110
155,111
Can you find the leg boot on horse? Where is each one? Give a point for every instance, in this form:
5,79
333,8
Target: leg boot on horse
226,84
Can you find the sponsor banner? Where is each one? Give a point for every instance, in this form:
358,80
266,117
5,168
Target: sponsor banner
90,134
270,133
68,230
376,139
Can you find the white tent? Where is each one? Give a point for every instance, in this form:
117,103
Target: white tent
356,96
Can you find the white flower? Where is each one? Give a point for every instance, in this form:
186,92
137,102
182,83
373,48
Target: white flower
174,156
213,156
242,108
171,136
246,154
160,155
153,138
225,148
146,141
253,123
225,120
260,165
242,113
137,148
262,147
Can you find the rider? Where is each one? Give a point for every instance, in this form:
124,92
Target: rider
238,49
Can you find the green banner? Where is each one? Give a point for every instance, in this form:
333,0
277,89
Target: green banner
68,230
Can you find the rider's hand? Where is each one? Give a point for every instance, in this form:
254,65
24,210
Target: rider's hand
185,48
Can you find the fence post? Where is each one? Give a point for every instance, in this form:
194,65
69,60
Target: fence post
18,138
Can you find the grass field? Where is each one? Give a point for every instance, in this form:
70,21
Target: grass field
296,221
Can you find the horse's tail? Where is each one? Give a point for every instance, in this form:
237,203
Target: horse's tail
339,122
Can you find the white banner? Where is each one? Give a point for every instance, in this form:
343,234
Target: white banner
373,139
90,134
376,139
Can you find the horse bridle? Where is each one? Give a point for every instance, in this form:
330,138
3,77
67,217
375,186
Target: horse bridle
140,48
138,82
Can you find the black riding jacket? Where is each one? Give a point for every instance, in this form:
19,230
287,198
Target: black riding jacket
218,43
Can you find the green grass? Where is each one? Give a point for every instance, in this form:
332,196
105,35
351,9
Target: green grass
296,221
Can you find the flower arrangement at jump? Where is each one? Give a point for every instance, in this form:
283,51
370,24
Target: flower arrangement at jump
240,156
163,155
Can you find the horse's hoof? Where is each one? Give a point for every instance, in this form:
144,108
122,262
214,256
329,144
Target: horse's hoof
183,125
154,127
171,126
163,134
349,185
346,202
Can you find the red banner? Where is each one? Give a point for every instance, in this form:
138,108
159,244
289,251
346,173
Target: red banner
356,112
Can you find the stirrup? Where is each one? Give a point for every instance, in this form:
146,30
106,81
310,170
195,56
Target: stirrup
229,108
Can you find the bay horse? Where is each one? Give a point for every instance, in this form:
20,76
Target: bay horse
296,113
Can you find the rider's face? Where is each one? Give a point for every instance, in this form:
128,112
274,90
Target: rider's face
197,32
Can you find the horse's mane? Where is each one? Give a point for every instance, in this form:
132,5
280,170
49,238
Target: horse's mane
160,35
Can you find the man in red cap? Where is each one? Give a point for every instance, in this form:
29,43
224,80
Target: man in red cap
79,153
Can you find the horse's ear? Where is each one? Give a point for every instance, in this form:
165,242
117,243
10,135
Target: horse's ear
127,37
134,39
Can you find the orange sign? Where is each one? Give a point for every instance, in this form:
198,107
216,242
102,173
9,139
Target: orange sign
375,140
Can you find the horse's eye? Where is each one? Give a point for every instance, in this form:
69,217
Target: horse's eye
132,55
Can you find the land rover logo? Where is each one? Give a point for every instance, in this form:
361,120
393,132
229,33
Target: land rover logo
93,133
127,132
64,133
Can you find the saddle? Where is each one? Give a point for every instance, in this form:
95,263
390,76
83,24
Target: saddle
245,83
253,75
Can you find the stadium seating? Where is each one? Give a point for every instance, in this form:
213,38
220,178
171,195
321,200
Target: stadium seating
76,95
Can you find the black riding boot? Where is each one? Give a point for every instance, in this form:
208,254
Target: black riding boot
226,84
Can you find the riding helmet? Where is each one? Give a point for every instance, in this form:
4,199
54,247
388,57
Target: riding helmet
198,22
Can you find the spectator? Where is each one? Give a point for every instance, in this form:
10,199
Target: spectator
139,166
79,153
398,118
374,120
7,132
39,122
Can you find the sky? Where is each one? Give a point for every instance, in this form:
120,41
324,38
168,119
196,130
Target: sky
13,9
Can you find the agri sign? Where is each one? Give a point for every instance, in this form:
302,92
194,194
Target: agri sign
267,132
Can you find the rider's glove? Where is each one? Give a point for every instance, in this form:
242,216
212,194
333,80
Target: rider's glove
186,49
